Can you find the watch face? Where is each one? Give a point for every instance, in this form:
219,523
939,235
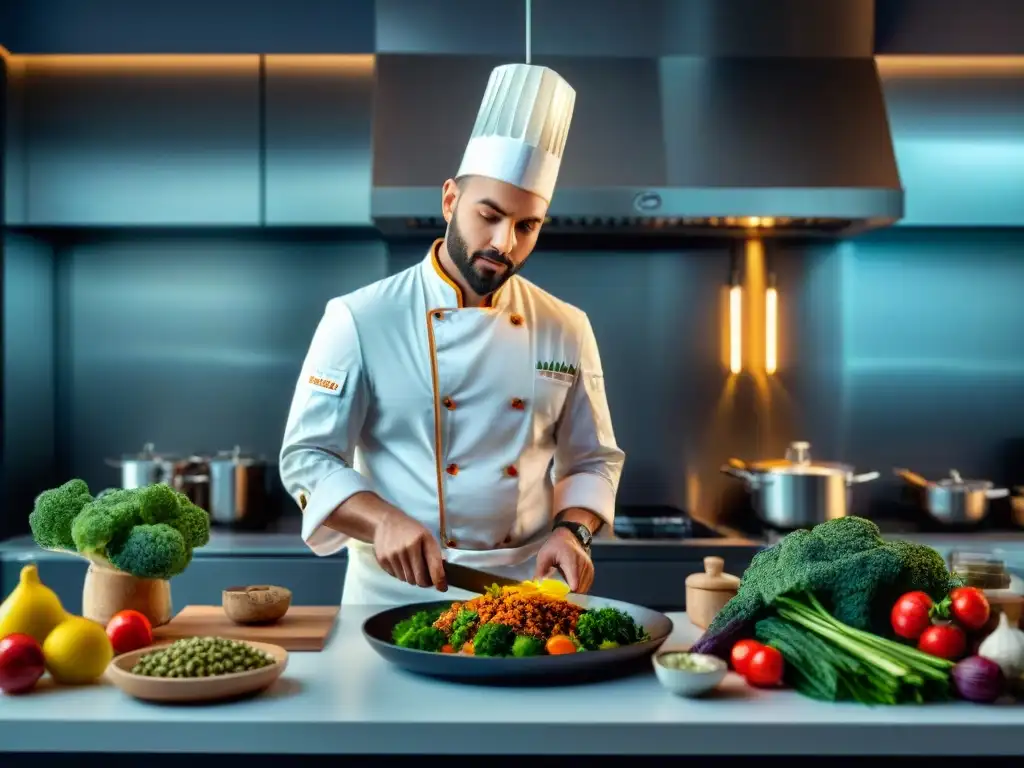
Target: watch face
581,532
584,533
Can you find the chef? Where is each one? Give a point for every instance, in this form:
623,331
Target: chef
455,411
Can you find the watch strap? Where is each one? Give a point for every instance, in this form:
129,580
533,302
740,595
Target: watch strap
579,530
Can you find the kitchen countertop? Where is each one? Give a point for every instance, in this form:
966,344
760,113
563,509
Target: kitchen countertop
349,700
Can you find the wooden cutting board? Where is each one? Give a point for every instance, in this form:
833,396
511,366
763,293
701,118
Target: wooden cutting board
303,628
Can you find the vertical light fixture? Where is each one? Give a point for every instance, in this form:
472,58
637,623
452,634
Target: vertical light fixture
771,324
735,318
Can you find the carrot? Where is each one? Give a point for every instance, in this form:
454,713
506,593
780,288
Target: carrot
447,649
560,644
468,649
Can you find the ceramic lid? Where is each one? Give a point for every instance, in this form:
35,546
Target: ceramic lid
713,579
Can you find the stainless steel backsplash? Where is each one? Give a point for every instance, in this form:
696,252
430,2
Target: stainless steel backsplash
902,348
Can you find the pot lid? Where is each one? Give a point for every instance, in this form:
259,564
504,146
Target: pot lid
798,461
146,454
956,483
713,580
236,456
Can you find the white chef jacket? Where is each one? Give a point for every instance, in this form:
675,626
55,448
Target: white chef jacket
482,423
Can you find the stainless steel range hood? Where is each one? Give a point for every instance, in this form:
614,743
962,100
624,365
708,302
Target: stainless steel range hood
666,144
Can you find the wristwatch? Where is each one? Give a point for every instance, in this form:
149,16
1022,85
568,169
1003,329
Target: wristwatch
579,530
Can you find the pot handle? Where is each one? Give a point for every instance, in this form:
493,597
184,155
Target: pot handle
997,493
912,477
866,477
738,469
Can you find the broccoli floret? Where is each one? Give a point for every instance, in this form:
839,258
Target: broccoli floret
494,640
462,628
54,512
162,504
608,625
845,563
148,532
423,639
414,622
527,645
151,552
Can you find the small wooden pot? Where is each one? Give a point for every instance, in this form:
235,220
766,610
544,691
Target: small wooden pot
258,604
708,592
107,592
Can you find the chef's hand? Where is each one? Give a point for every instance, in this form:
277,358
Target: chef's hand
406,550
563,551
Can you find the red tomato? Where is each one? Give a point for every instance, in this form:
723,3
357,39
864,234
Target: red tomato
21,663
741,653
765,667
969,607
911,615
129,631
947,641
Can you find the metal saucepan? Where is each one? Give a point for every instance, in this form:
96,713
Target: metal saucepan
146,468
798,492
230,485
954,500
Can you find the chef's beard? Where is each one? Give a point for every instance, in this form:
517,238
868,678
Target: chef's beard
483,282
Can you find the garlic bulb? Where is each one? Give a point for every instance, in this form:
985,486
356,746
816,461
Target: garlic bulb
1005,646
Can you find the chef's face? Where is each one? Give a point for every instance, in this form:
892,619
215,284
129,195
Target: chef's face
492,229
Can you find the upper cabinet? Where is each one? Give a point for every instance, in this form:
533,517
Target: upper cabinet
139,141
318,126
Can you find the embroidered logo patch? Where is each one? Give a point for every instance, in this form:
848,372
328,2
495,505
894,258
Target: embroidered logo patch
320,381
559,371
328,382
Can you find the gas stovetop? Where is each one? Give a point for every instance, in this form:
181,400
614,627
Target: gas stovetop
660,522
892,517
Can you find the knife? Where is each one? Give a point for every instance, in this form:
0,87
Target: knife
472,580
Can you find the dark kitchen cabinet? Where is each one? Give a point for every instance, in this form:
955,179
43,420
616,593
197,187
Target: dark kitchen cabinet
318,131
141,141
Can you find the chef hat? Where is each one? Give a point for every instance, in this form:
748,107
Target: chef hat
520,130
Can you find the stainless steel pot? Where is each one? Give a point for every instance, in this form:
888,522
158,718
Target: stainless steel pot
797,492
145,468
954,500
230,485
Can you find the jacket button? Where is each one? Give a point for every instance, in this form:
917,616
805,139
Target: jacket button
450,543
518,403
448,403
452,469
516,319
438,315
511,471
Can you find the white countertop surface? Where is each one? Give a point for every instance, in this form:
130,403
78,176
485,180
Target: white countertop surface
349,700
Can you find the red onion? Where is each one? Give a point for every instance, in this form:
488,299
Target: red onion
978,679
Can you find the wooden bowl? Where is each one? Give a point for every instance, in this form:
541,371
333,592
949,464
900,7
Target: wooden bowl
182,690
260,604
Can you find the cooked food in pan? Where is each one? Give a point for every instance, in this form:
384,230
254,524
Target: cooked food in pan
531,619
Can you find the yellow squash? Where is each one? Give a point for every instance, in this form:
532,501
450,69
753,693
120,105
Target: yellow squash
32,608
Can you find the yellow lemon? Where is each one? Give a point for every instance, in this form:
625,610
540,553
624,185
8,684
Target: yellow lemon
77,651
553,587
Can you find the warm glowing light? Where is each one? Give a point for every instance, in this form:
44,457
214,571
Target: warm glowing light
771,330
735,324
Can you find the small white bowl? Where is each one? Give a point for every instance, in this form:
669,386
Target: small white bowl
688,682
